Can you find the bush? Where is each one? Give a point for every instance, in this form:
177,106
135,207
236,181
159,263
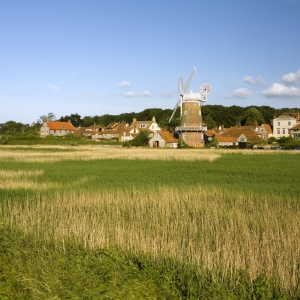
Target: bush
142,139
182,145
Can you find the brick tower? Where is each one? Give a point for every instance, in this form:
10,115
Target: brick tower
191,129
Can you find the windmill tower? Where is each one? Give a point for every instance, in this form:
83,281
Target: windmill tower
191,129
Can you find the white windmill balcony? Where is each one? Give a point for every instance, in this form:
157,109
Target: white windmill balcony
190,128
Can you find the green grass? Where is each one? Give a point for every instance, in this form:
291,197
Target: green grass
252,194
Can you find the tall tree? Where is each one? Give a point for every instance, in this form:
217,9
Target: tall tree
252,117
74,118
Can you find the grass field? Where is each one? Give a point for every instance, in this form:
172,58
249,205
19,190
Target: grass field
115,223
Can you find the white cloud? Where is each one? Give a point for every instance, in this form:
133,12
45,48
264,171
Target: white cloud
240,93
291,77
254,81
278,90
132,94
124,84
53,87
166,94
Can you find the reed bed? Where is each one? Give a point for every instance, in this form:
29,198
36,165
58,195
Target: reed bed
211,229
51,154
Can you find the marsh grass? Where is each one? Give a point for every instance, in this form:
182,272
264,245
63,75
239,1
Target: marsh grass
218,225
202,228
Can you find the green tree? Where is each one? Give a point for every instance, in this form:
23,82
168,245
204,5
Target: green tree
182,144
88,121
50,118
209,121
74,118
213,143
142,139
252,117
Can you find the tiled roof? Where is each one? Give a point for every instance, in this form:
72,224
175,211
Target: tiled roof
60,126
168,137
268,128
225,139
297,126
210,132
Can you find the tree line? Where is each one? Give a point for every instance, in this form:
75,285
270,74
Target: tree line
213,115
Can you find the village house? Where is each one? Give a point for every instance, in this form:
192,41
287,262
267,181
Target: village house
130,132
112,130
163,139
234,136
56,128
283,123
294,132
88,131
264,131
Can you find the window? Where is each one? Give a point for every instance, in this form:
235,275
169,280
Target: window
278,131
289,123
185,112
278,123
143,125
283,131
184,124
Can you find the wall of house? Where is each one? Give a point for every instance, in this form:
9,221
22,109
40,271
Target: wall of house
157,139
44,131
281,126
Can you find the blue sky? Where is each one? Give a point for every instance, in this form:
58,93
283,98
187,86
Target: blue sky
110,57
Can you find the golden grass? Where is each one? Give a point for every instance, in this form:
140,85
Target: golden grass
208,228
96,152
21,179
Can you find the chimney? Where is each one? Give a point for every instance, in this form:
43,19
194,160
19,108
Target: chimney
134,120
153,119
69,121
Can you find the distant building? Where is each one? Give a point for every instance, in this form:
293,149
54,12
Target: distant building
163,139
56,128
283,123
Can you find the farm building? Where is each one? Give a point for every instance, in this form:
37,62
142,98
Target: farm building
163,139
56,128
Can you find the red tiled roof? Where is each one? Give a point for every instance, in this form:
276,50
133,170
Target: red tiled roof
168,137
297,126
60,126
268,128
225,139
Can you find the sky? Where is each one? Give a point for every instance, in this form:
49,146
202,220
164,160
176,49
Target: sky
96,57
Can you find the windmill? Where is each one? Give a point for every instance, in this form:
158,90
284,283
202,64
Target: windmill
191,127
182,88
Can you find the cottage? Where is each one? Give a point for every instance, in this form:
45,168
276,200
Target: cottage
131,131
163,139
56,128
264,131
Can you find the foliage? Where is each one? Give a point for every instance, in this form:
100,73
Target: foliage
142,139
50,118
182,144
288,142
252,117
74,118
272,140
213,143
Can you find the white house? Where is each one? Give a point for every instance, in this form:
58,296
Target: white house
282,124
